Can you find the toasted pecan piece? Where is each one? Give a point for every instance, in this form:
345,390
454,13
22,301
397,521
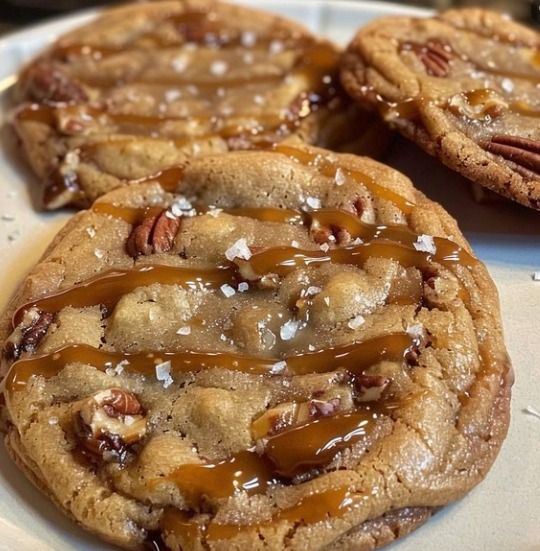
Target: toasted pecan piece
435,56
155,234
522,153
47,83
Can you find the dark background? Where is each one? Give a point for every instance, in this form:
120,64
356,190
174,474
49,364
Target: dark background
16,13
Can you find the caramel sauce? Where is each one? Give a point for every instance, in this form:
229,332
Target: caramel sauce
316,443
446,250
283,260
181,526
482,95
408,109
142,363
168,178
131,215
193,26
147,125
108,288
311,509
329,169
245,471
355,358
205,85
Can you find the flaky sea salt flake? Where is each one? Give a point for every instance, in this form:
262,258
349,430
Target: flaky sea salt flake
340,177
218,68
313,290
507,85
179,64
425,243
529,410
163,373
243,286
415,331
186,330
276,47
288,330
313,202
248,39
172,95
239,249
182,207
227,290
356,322
278,367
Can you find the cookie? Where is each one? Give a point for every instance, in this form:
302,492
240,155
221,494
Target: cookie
283,349
145,86
463,85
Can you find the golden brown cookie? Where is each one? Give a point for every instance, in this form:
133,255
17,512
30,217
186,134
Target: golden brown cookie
147,85
288,349
464,86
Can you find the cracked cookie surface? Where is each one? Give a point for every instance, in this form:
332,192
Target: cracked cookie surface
464,86
146,86
291,349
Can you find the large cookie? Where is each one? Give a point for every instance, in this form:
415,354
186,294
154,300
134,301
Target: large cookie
301,352
145,86
464,86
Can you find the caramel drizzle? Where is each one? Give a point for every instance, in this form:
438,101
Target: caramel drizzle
131,215
194,27
245,471
409,109
146,125
310,509
481,95
329,169
308,446
283,260
107,288
355,358
446,250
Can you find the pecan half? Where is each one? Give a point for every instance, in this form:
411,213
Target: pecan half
49,84
523,154
324,234
434,54
30,336
109,423
155,234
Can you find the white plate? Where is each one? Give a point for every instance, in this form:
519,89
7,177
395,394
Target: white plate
503,513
